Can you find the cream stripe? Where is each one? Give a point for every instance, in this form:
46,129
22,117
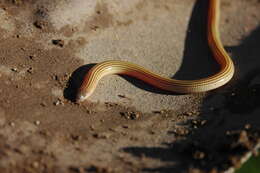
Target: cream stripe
180,86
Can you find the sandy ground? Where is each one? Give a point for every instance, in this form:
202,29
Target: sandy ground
126,126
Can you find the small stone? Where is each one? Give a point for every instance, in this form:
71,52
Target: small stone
94,27
243,138
198,155
37,122
43,104
134,115
18,150
89,111
203,122
152,132
125,126
189,113
92,127
247,126
195,122
30,70
35,164
228,133
44,133
134,138
31,57
39,24
75,137
181,131
12,124
130,115
14,69
101,136
58,42
58,102
112,130
121,96
55,77
158,112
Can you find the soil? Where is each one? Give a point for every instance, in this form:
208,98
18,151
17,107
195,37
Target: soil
43,129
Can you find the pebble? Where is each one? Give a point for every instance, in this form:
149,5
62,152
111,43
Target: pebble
112,130
30,70
43,104
37,122
158,112
101,136
92,127
12,124
181,131
152,132
130,115
35,164
203,122
243,137
125,126
198,155
247,126
75,137
31,57
58,102
39,24
14,69
189,113
58,42
134,138
121,96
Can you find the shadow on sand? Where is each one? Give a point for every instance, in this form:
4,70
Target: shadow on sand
196,50
231,116
232,121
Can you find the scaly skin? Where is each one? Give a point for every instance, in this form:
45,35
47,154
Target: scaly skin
178,86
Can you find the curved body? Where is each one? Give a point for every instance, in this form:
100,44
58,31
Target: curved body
180,86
